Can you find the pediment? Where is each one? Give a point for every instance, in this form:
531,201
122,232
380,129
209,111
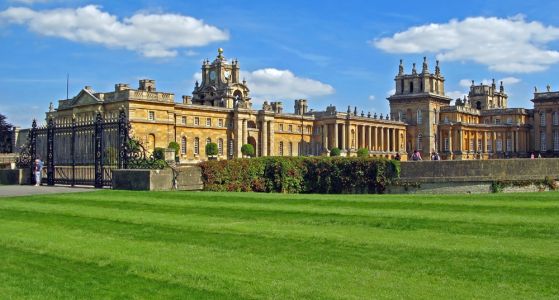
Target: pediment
85,98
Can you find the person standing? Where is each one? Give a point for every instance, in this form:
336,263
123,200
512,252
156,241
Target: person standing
38,169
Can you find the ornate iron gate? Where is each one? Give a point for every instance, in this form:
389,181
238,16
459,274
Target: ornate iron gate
79,153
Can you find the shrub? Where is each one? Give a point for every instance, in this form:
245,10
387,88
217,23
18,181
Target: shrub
363,152
159,153
211,149
247,150
175,146
300,175
335,152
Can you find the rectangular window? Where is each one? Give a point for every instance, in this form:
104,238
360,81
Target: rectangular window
446,144
446,119
499,145
196,121
231,148
299,128
472,145
497,121
509,145
280,127
543,143
280,148
208,122
419,117
183,120
489,146
509,120
183,145
479,145
556,140
220,146
555,118
542,119
290,128
419,142
220,123
196,146
151,115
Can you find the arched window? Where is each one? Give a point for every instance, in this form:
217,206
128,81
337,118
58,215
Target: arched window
220,146
419,117
183,145
196,146
280,148
420,142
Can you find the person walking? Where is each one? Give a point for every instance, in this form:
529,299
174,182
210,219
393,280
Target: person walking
38,169
416,156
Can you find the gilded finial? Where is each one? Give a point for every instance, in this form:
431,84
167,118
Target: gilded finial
220,52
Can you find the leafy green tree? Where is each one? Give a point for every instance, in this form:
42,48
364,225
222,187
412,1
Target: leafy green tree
159,153
211,149
363,152
5,135
335,151
247,150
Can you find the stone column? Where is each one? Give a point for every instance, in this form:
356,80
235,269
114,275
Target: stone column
382,148
450,140
494,142
335,144
460,140
238,141
393,140
347,136
476,146
271,138
362,140
245,132
325,134
264,138
516,143
343,137
377,146
370,137
484,142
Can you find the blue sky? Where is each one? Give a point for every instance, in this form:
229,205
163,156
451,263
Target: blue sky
330,52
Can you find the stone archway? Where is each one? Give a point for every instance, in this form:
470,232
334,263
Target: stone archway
251,140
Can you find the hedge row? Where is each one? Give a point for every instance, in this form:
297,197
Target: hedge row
326,175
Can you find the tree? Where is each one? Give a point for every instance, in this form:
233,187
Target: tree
159,153
363,152
247,150
5,135
335,151
175,146
211,149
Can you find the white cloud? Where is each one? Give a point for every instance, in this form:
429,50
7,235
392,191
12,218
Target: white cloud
29,2
273,84
456,94
372,97
390,92
506,81
152,35
510,45
270,83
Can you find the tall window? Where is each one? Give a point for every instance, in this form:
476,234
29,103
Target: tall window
151,115
509,145
183,120
183,145
419,117
230,147
543,143
555,118
280,127
280,148
499,145
290,149
542,119
220,122
208,122
446,144
489,145
472,145
479,145
196,146
290,128
220,146
556,140
196,121
420,142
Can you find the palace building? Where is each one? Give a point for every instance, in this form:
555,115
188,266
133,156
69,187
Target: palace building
220,110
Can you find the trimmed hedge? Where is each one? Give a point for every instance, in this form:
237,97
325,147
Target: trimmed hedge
326,175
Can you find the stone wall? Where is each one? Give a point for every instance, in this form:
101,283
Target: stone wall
142,180
480,170
475,176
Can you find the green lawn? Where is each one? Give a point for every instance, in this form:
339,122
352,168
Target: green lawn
116,244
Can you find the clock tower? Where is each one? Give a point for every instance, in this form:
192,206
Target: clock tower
221,85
